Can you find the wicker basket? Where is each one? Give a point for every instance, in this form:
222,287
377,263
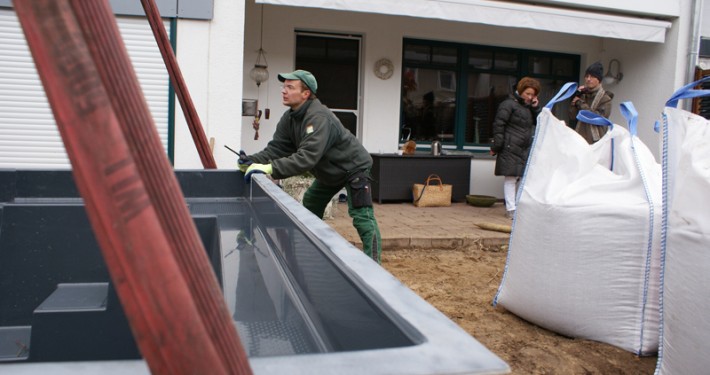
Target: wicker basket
432,194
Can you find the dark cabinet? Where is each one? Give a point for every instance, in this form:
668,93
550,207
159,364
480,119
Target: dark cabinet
395,174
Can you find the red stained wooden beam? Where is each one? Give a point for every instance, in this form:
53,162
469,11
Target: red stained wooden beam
114,67
188,108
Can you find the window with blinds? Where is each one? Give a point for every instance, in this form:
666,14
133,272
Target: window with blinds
29,138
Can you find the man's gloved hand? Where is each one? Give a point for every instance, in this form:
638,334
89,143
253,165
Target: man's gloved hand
244,161
257,168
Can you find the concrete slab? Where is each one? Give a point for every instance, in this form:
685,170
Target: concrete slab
402,225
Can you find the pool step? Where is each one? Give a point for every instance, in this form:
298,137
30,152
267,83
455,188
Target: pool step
81,321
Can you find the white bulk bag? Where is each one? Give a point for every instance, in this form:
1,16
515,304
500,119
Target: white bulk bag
685,324
584,254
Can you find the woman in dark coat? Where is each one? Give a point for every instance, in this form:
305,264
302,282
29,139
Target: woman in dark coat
513,130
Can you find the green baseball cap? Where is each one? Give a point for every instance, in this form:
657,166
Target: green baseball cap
305,77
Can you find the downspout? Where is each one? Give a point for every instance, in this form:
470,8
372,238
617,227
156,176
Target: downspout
693,47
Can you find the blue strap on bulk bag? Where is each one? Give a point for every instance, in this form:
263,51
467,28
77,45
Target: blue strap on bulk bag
565,92
687,92
596,119
593,118
631,115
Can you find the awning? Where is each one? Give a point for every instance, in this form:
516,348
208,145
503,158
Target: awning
505,14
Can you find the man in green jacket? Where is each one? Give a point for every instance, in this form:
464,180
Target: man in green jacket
309,138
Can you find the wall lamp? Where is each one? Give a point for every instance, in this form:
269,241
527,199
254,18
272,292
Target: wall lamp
611,79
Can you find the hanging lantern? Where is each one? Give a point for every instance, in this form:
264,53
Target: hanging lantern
259,72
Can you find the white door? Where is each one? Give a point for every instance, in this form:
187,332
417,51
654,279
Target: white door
335,62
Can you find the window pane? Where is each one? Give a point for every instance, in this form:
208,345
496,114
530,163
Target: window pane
337,83
444,55
485,93
563,67
548,89
539,65
416,53
310,48
348,119
506,61
334,62
447,80
428,109
433,106
480,59
343,50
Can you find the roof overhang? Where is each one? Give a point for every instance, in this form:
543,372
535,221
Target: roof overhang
505,14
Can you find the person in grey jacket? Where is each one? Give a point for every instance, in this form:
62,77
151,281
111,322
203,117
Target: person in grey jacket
310,138
513,131
592,97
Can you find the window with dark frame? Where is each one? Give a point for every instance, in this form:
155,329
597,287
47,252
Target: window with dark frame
451,91
701,105
334,61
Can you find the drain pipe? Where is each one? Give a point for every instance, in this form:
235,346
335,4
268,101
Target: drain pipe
693,47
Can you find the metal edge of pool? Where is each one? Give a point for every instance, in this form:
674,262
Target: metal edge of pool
447,348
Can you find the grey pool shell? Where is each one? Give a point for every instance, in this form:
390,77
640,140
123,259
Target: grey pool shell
304,300
445,349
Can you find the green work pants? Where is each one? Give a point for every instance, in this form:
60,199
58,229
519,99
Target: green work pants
316,198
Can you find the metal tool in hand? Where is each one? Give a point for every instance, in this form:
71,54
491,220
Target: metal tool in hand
230,149
243,158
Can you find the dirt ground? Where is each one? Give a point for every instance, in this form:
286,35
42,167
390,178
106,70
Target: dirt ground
462,284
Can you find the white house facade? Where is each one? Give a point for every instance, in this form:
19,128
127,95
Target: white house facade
462,56
650,40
